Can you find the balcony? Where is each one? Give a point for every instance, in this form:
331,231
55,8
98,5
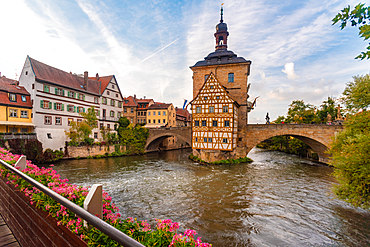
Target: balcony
9,136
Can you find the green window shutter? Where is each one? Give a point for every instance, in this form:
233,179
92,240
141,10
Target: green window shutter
50,103
69,94
74,108
56,90
41,103
62,107
77,95
83,109
55,106
83,97
63,92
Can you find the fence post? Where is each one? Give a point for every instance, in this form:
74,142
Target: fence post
94,201
21,163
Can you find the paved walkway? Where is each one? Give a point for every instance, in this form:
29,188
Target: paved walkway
6,236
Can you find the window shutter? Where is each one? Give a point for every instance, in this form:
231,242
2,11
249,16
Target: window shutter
83,109
63,92
77,95
41,104
55,106
69,94
83,97
74,108
62,107
50,103
56,90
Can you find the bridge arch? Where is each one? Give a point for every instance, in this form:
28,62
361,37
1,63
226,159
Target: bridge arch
156,136
318,137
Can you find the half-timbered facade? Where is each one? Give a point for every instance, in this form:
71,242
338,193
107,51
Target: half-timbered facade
215,118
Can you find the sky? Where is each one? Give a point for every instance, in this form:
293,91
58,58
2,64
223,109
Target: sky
295,50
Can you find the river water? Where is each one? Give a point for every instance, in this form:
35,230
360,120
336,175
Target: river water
277,200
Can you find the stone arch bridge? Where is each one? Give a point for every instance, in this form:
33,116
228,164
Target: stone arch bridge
317,136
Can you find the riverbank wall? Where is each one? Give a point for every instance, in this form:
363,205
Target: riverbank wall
72,152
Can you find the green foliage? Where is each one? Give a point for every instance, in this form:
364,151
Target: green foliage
134,138
81,131
327,107
359,16
351,160
356,95
300,112
286,144
51,156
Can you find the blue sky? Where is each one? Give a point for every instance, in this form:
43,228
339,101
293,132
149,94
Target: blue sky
149,45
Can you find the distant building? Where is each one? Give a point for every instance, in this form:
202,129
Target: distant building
220,106
142,108
58,97
161,115
183,117
129,109
15,107
135,109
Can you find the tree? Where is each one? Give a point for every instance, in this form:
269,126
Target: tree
299,112
81,131
356,95
359,16
351,160
327,107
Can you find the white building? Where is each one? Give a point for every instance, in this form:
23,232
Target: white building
58,97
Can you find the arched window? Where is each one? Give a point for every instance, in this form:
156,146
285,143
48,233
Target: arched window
231,77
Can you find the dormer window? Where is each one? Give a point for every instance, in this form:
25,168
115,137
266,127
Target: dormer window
12,97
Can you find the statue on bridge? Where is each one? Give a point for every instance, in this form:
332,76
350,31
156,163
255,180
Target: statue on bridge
267,118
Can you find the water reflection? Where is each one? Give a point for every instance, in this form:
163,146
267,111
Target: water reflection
278,200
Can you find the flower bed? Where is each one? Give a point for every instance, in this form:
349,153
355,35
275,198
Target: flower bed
164,233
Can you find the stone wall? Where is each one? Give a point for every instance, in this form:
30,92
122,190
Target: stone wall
32,226
86,151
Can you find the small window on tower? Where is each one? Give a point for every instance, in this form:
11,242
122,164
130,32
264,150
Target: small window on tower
231,77
206,77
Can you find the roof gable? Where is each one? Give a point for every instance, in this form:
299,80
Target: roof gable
214,92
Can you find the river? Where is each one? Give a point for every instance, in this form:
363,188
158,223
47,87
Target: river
277,200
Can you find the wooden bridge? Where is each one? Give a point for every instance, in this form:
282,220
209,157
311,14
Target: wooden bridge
317,136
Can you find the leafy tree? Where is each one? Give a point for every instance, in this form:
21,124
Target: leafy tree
299,112
81,131
90,117
327,107
351,160
133,137
356,95
359,16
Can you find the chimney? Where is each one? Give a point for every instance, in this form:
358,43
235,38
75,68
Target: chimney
86,76
134,96
144,96
97,77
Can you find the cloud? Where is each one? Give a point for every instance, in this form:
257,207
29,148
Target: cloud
289,71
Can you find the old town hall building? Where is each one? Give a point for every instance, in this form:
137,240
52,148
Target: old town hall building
220,106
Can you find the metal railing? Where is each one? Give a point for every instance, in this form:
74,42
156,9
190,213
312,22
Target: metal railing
103,226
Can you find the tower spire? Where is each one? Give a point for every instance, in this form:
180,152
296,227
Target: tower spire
222,13
221,33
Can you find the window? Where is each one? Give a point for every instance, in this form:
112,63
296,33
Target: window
95,135
112,86
79,120
153,120
108,126
132,110
119,114
214,123
199,109
154,113
70,120
206,77
59,91
224,140
217,97
231,77
26,73
164,113
116,95
209,139
112,102
159,113
24,130
80,109
96,100
71,108
211,87
149,121
196,139
119,104
58,120
196,123
211,109
148,113
58,106
205,98
108,93
204,122
159,121
227,123
13,97
13,113
33,85
81,96
164,120
45,104
24,114
101,126
225,108
205,139
46,89
112,113
47,120
23,97
104,101
71,94
49,136
125,110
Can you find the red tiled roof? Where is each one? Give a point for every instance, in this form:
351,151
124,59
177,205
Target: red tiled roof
158,105
4,100
130,101
9,85
46,73
183,113
104,81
